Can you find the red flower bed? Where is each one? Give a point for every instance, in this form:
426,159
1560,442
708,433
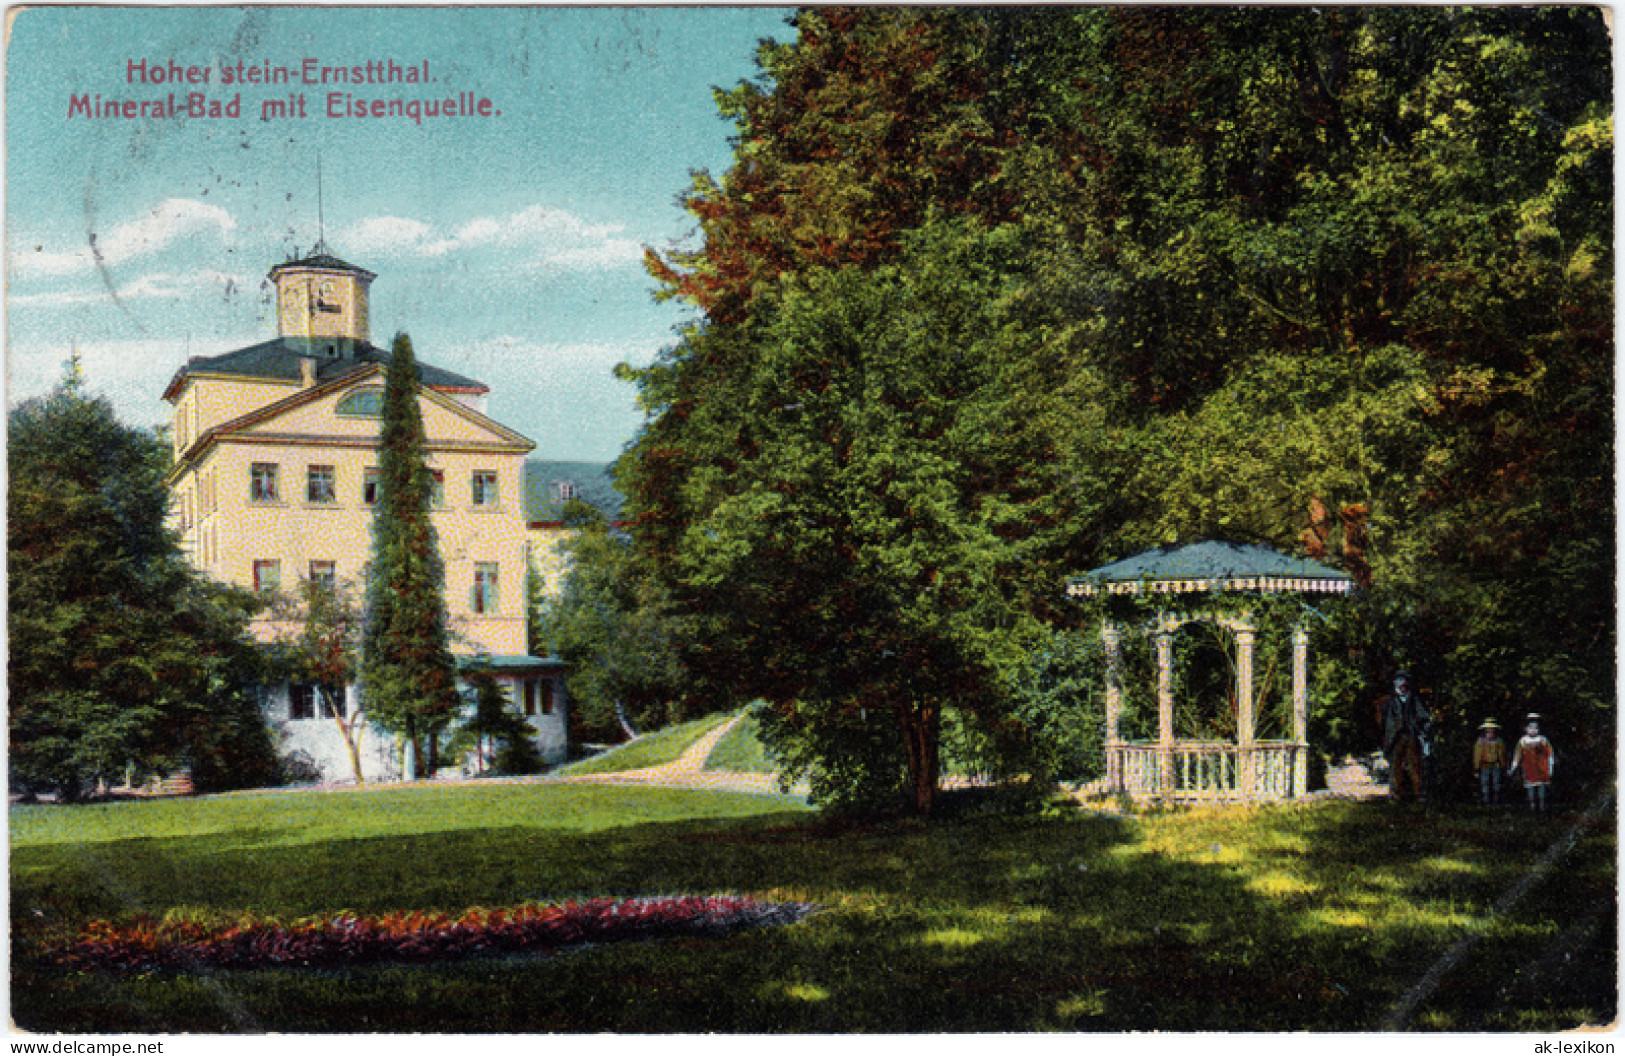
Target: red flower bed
414,937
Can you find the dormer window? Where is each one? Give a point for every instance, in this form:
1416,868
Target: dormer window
367,402
565,489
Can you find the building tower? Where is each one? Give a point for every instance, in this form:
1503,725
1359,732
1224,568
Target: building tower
321,305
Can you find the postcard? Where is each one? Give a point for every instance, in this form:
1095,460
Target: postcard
718,521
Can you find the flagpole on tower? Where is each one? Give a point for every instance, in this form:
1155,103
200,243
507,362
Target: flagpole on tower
321,222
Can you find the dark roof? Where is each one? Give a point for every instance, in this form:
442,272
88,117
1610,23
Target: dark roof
594,485
507,662
1211,566
323,260
279,359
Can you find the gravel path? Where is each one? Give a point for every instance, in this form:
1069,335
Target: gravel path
688,771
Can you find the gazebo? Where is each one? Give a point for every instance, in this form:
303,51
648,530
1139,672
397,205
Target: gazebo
1170,769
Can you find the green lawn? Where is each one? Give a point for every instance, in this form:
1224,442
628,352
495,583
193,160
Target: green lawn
652,749
1316,917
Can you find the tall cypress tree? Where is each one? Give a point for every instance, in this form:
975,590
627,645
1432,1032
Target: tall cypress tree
408,676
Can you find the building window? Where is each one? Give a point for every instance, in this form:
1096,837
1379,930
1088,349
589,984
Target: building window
485,589
361,403
538,696
262,482
485,488
369,486
566,490
324,575
268,576
301,701
319,485
437,489
309,701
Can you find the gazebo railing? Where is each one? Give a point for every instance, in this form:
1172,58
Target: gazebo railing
1206,771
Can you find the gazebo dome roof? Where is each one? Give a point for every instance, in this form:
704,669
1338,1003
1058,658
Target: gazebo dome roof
1211,566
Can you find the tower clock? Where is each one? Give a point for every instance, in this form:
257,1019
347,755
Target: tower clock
322,301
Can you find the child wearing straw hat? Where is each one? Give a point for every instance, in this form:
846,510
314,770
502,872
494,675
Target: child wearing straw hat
1489,757
1535,757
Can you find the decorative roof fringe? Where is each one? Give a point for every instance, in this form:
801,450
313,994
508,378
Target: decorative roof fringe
1261,584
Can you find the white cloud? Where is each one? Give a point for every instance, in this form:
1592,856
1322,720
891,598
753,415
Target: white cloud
132,374
552,237
507,352
384,234
610,254
539,224
41,261
156,285
171,220
147,286
54,299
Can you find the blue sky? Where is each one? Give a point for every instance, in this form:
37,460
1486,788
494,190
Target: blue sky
508,246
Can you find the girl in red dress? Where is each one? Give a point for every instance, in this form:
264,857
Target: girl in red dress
1534,756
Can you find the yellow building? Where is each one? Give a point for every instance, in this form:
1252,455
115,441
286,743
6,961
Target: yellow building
549,488
275,479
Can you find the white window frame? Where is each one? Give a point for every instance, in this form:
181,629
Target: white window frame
485,599
324,475
263,485
267,575
485,489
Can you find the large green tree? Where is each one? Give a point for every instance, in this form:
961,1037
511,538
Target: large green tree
878,517
1335,279
121,658
408,674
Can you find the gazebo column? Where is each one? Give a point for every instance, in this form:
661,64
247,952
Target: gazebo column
1247,761
1165,711
1110,637
1300,710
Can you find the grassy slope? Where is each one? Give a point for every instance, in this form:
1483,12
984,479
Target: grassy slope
742,752
1316,918
652,749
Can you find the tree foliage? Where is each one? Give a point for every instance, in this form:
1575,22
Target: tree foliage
865,127
408,675
324,649
992,293
612,626
886,515
1344,269
122,660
